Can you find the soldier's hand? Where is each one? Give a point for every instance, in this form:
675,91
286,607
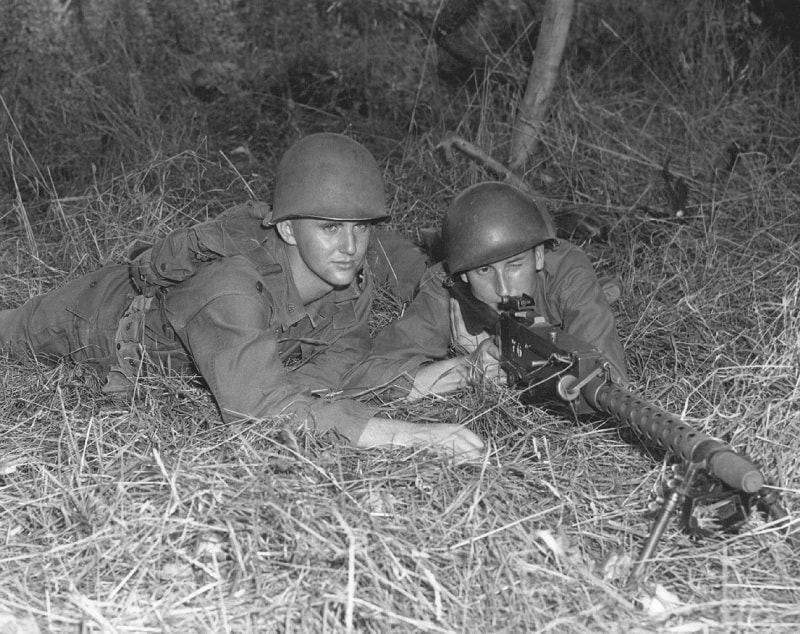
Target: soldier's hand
455,439
458,331
463,443
448,375
484,363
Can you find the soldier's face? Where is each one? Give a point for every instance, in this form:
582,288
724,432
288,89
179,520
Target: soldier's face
332,251
511,277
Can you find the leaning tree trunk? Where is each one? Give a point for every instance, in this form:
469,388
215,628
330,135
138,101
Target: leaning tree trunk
532,108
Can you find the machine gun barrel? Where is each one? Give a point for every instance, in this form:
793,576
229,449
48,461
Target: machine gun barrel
546,361
673,435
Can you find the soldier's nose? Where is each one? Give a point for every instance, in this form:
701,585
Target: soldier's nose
348,242
501,286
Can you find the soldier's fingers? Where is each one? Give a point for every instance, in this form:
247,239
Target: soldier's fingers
466,444
489,348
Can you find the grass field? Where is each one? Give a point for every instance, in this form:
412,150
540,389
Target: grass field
150,515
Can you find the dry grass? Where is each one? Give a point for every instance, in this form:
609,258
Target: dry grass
151,516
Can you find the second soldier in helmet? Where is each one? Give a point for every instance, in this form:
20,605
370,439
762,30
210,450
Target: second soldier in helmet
497,240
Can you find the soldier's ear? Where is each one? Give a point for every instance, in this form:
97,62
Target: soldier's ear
538,256
286,231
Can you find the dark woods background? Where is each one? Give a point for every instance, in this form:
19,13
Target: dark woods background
93,89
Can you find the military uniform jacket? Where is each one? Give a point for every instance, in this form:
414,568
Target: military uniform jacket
223,287
567,294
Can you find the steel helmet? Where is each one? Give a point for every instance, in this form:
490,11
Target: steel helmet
328,176
489,222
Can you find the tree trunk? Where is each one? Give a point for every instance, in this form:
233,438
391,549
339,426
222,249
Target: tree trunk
544,70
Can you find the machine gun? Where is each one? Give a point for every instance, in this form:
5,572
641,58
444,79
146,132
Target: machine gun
546,363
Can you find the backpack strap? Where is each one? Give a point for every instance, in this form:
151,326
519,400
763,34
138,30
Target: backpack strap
180,254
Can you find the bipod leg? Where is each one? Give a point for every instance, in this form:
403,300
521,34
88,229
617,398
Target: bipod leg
659,526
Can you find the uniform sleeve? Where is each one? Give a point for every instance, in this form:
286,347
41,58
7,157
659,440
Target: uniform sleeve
222,316
420,335
584,311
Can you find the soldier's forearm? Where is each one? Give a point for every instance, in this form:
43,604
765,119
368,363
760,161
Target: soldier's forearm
452,438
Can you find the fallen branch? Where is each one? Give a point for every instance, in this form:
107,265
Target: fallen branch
570,223
454,142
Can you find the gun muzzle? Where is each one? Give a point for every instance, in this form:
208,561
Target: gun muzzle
729,467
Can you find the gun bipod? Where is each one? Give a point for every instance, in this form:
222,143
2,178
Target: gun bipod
676,495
